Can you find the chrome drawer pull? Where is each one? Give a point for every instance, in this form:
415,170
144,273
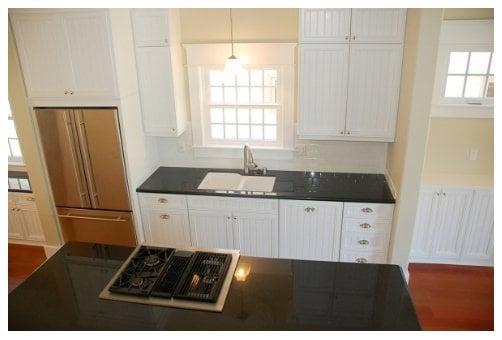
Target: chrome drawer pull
309,209
363,242
164,216
367,210
163,200
365,225
361,260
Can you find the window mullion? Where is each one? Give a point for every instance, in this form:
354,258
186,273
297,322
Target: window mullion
466,74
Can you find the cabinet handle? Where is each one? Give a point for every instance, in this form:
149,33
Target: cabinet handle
342,132
367,210
348,132
309,209
353,37
164,216
71,93
163,200
228,217
361,260
346,37
363,242
444,194
234,218
66,92
365,225
31,199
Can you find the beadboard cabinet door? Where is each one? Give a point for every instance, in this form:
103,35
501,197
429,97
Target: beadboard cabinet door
211,229
373,90
378,25
324,25
427,210
256,234
478,236
323,89
150,26
310,230
166,227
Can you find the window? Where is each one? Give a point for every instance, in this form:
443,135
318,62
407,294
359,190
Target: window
255,107
15,155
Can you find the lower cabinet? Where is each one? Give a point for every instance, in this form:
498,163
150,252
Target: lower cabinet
24,222
211,229
166,227
454,225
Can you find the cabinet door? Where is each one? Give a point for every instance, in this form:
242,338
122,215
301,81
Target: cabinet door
373,95
15,223
150,27
43,53
211,229
310,230
90,49
31,224
324,25
478,236
427,209
323,90
256,234
156,90
378,25
167,228
448,226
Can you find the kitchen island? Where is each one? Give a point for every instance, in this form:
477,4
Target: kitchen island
278,294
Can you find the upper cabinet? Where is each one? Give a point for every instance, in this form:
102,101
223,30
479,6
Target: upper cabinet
160,70
349,73
65,54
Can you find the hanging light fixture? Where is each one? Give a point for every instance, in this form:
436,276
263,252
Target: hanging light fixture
232,65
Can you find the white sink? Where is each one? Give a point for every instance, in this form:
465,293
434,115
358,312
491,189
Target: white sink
236,182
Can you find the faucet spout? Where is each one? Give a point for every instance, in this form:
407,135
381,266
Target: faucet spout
248,159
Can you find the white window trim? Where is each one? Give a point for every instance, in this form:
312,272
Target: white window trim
460,35
201,57
14,160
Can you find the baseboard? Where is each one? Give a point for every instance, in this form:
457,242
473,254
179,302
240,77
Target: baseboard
392,186
50,250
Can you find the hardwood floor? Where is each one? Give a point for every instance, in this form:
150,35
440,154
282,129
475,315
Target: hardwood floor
23,260
449,297
446,297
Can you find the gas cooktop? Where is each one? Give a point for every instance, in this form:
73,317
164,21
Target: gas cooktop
186,278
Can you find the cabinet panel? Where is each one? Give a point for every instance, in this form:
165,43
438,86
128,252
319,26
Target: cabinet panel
375,72
478,236
368,211
233,204
211,229
378,25
31,225
16,230
150,27
256,234
356,241
310,230
163,201
366,226
427,210
363,257
324,25
168,228
323,89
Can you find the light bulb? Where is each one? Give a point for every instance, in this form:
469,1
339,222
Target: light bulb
233,66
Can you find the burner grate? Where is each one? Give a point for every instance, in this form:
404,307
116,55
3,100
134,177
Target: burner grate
167,283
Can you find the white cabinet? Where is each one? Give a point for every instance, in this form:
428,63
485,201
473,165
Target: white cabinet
323,89
378,25
211,229
24,222
65,53
161,78
310,230
256,234
454,225
324,25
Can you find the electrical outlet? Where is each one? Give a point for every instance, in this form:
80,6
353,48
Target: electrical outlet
473,154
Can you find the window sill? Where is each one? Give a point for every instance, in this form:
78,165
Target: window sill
16,166
462,111
215,151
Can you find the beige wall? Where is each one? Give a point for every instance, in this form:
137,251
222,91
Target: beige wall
467,13
31,154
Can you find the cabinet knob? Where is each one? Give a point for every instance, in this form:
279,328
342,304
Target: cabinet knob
342,132
365,225
309,209
31,199
234,218
363,242
348,132
353,37
163,200
164,216
346,37
444,194
367,210
66,92
361,260
71,93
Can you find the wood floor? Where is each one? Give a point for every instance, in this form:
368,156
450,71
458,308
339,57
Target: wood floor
446,297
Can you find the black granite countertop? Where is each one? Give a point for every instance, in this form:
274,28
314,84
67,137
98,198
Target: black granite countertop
18,179
320,186
278,294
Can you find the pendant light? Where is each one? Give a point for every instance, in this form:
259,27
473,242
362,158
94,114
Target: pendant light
232,65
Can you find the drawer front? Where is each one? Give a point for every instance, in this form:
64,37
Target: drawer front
25,199
364,242
366,225
232,204
368,210
163,201
362,257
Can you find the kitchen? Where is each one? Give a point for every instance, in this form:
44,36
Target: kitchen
148,129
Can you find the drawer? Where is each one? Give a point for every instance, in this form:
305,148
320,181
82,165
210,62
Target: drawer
365,242
366,225
368,210
363,257
163,201
24,199
232,204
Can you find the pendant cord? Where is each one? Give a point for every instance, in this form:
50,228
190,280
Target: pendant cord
231,32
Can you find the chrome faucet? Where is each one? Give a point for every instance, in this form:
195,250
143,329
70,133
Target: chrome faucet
248,160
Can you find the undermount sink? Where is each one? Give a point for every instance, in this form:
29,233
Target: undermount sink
236,182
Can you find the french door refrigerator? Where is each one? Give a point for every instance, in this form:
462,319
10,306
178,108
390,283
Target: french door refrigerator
83,154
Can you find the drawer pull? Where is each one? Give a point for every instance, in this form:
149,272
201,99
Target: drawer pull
31,199
363,242
164,216
361,260
163,200
367,210
309,209
365,225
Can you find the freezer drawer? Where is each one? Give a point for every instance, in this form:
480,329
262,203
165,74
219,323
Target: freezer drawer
97,226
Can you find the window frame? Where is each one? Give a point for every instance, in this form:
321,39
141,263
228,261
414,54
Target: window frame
14,160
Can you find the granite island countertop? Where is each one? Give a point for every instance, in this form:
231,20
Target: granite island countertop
278,294
304,185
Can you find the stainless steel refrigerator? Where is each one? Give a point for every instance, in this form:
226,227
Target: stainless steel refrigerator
84,158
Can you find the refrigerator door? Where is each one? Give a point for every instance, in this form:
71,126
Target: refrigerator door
99,138
62,156
97,226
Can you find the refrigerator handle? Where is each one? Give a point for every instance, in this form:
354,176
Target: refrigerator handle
108,219
86,158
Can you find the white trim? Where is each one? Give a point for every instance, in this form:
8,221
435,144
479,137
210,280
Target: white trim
392,186
50,250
